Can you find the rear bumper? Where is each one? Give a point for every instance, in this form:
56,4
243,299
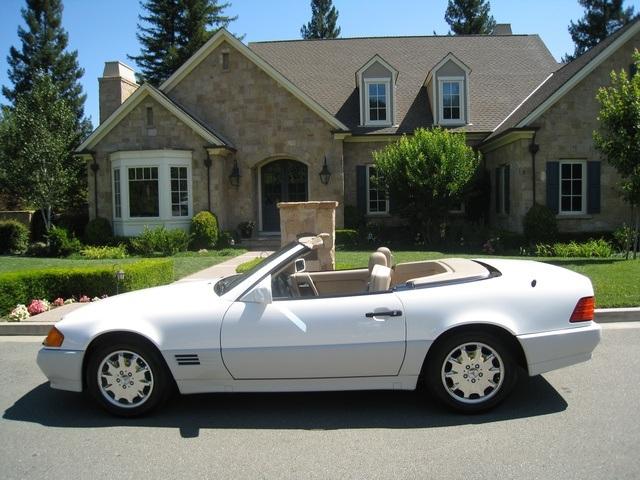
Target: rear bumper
560,348
63,368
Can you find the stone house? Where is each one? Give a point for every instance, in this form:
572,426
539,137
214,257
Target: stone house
239,128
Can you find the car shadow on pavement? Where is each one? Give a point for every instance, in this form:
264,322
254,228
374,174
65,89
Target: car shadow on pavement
310,411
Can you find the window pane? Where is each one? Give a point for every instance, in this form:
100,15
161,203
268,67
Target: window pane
566,204
143,198
565,170
576,170
455,112
576,204
577,187
455,88
382,114
566,187
179,192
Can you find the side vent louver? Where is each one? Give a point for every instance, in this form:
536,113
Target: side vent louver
188,359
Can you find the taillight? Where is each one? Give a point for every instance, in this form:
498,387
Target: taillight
584,310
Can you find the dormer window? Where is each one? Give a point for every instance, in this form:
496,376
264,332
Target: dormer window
451,100
377,101
376,81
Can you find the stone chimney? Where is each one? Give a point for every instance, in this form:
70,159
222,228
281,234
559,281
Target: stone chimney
502,29
117,83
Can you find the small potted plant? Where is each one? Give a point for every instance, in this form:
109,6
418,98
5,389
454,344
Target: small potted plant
246,229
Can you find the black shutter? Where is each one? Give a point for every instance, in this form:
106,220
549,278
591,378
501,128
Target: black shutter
507,189
361,188
593,187
553,186
498,190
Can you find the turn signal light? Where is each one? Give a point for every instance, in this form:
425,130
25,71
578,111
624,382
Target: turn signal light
584,311
54,338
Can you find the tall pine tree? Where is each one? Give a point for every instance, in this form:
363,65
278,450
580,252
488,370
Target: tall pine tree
44,52
172,31
324,17
466,17
601,18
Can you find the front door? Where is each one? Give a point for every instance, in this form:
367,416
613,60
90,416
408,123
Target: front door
315,337
281,181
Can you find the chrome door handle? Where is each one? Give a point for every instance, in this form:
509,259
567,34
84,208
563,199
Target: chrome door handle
388,313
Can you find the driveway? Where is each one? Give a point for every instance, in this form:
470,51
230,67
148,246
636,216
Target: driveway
582,422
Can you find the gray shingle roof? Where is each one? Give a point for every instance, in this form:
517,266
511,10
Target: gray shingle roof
557,80
504,70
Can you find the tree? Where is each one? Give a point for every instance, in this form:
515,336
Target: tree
426,173
172,31
36,137
601,19
469,17
324,17
618,138
44,52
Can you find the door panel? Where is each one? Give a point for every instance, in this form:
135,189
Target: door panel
281,181
314,338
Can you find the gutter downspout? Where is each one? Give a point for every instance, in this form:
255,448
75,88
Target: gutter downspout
533,149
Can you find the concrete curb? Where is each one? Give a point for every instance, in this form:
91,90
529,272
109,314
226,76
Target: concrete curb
603,315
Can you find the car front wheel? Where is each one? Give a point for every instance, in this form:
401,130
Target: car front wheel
471,372
127,379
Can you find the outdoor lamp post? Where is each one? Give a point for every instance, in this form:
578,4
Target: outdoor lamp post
119,278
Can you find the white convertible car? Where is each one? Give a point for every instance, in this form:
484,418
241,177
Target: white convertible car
462,328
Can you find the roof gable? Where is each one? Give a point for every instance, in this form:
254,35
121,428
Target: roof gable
376,59
449,57
133,101
223,35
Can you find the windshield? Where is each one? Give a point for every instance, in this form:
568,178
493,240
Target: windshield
227,283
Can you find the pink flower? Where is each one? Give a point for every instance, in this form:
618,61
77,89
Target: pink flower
58,302
84,299
37,306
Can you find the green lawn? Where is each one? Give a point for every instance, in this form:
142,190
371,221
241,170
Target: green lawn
616,281
184,263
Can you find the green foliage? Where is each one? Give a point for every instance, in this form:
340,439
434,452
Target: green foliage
171,31
160,241
324,17
14,237
204,230
623,237
38,249
591,249
601,19
51,283
477,196
99,253
98,232
37,138
347,237
353,217
225,240
540,225
469,17
243,267
425,174
61,244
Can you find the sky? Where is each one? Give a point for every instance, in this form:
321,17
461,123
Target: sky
104,30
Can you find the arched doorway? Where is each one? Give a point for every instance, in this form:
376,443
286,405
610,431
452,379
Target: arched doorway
281,181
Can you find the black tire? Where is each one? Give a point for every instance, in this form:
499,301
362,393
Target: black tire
438,366
152,381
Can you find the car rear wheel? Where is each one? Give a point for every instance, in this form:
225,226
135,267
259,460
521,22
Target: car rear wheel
471,372
127,379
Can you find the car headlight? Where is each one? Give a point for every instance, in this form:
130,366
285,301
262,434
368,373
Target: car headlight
54,338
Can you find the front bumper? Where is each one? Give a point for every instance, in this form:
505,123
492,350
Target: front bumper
63,368
560,348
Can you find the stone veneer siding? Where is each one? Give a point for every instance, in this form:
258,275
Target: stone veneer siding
565,133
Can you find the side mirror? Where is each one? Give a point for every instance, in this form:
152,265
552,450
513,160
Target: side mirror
300,265
261,293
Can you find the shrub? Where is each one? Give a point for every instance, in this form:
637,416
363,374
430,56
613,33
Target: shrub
225,240
160,241
38,306
593,248
243,267
98,232
540,225
14,237
623,237
347,237
99,253
60,245
38,249
21,287
19,313
204,230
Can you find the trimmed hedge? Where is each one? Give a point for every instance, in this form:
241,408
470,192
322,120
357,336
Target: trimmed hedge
347,237
50,283
14,237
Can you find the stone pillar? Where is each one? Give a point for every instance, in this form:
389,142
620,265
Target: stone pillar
299,219
117,83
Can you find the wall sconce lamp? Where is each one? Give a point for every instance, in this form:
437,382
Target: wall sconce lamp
234,178
325,174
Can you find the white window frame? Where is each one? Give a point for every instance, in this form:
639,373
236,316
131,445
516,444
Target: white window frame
116,200
461,83
163,160
584,187
386,206
387,86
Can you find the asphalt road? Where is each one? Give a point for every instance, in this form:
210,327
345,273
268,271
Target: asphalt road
582,422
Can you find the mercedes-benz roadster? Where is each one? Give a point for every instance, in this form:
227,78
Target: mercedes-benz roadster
464,329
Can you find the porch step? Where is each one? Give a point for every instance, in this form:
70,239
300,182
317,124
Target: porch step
271,242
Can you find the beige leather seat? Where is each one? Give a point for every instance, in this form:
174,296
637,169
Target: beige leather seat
387,253
380,280
377,258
